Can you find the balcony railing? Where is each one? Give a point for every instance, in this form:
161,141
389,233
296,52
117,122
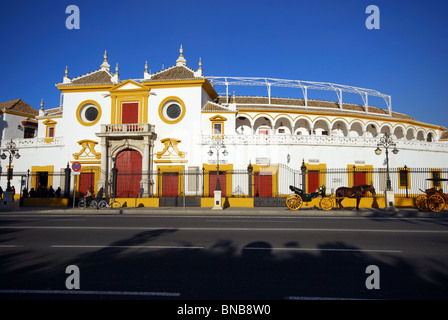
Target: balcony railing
35,142
127,129
282,139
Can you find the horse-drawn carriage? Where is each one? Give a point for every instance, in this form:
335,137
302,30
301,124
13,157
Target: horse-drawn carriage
434,199
294,201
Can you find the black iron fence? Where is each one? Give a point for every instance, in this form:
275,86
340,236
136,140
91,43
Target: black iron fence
255,181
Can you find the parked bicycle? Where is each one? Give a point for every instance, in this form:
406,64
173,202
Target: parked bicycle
86,202
99,202
108,203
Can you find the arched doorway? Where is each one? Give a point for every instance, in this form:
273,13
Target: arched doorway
129,165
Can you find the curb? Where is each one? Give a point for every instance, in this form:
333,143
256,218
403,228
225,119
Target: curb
260,211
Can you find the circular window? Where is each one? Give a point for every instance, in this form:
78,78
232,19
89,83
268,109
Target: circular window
91,113
88,113
172,110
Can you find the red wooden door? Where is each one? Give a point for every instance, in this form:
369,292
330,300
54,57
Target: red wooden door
212,182
360,178
129,113
313,180
129,165
262,185
170,184
86,181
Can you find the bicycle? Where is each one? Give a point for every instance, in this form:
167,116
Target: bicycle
84,203
108,203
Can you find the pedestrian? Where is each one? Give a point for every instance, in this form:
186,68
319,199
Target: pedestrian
13,189
51,192
1,193
99,195
58,192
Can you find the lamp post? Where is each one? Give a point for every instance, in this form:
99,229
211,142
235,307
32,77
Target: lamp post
13,152
386,142
217,144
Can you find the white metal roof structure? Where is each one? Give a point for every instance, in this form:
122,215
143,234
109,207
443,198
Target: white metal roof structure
304,86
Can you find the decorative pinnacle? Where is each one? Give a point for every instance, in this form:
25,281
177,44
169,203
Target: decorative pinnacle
105,65
42,104
200,64
66,71
146,66
181,60
116,69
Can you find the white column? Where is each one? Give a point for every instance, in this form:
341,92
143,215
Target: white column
104,160
145,166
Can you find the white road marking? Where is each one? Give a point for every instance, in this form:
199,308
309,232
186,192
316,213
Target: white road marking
326,249
122,247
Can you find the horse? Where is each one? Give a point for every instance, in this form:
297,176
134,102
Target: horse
356,192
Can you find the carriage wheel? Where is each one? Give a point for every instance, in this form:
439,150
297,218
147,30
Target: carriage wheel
326,203
422,203
436,203
294,201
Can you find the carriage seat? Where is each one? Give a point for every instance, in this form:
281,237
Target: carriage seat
295,189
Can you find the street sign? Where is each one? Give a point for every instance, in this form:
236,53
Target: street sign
76,166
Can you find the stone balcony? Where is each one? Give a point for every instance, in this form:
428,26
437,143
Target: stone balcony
126,130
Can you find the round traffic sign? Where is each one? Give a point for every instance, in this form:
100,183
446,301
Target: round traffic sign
76,166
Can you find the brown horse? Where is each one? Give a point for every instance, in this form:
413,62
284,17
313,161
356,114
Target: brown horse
356,192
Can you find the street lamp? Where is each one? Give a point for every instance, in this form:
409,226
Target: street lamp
386,142
13,152
217,144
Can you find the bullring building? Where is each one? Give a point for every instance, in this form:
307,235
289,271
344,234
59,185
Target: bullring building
175,133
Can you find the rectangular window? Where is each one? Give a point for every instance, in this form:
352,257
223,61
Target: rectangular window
217,128
263,131
193,179
129,113
29,132
404,178
51,132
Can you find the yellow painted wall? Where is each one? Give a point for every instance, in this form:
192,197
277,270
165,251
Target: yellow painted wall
229,202
45,202
138,202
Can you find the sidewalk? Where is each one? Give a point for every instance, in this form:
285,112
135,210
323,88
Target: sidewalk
263,211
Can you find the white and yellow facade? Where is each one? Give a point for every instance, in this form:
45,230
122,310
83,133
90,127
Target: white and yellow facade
168,120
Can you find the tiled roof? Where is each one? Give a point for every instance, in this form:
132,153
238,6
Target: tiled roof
18,105
173,73
254,102
96,77
215,107
54,112
444,136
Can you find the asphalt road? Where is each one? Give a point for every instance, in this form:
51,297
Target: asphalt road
222,256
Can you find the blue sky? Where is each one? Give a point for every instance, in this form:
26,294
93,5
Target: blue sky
323,40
